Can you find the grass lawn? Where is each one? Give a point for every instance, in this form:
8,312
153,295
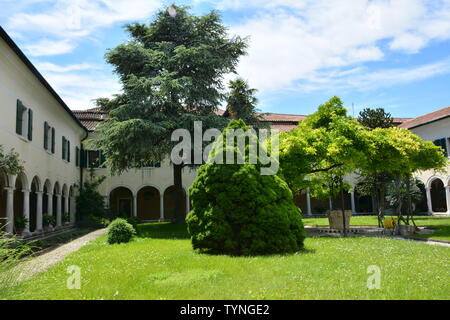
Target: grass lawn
160,264
440,224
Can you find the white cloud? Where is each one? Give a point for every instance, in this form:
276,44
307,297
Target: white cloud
49,47
48,66
68,20
294,41
78,89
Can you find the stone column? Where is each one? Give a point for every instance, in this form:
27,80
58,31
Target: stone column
134,205
58,210
9,209
352,198
429,202
308,203
330,204
66,205
73,210
447,193
39,195
26,210
161,207
50,203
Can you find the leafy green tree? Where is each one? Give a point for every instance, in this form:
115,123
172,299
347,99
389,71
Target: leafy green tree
399,153
241,103
376,118
10,162
238,211
325,141
171,72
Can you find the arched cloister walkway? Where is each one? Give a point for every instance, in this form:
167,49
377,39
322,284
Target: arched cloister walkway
3,196
149,204
121,202
170,198
438,196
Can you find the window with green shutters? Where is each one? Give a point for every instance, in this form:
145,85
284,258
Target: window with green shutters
30,124
53,140
19,117
46,129
68,151
77,156
63,148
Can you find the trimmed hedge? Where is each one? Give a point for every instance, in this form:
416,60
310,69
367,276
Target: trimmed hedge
238,211
120,231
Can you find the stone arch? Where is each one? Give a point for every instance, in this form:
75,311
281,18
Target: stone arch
35,187
121,202
46,189
170,202
148,203
3,184
438,196
21,185
64,203
56,191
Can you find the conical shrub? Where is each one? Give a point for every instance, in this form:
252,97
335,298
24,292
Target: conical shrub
238,211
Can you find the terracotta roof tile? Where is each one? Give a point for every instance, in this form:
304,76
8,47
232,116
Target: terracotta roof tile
427,118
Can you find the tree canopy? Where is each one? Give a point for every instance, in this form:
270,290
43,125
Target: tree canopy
10,162
171,72
241,103
376,118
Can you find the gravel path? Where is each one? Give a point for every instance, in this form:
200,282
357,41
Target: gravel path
41,263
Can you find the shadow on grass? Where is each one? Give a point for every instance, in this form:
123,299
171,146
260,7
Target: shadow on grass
440,231
163,231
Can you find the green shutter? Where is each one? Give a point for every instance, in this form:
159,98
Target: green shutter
83,155
64,147
53,140
30,124
77,156
68,151
45,135
19,117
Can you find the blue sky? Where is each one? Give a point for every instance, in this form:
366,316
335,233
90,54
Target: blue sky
372,53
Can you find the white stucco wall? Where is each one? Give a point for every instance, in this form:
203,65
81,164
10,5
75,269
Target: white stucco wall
431,132
18,82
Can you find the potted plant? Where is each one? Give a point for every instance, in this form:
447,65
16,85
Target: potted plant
48,221
336,221
66,218
19,224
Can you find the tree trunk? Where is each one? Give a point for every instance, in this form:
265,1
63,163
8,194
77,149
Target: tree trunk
381,205
343,206
179,193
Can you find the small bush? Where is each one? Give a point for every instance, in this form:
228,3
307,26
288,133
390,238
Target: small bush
120,231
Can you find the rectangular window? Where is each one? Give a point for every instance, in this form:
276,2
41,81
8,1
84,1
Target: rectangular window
24,121
77,156
93,159
443,144
48,137
65,149
53,140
